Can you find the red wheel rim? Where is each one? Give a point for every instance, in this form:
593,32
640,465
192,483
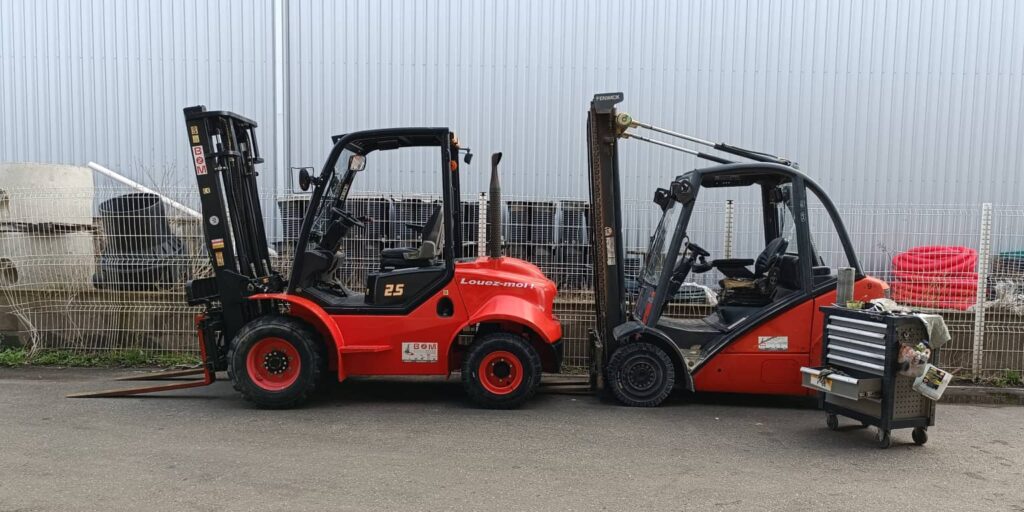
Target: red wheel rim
500,372
273,364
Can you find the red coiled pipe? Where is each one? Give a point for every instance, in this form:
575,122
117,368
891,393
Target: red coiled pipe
936,276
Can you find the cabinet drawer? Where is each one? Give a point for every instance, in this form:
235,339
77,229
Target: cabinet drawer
841,385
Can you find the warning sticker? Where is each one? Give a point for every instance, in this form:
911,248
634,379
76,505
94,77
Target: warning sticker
199,159
773,343
217,243
415,352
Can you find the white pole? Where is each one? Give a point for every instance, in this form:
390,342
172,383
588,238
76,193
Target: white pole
142,188
984,255
481,226
281,171
730,222
166,200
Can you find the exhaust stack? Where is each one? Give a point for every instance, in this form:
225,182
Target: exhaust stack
494,211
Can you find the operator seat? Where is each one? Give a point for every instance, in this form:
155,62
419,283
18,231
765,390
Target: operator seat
737,268
744,288
423,256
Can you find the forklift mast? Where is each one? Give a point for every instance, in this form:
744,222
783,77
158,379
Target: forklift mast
605,230
224,155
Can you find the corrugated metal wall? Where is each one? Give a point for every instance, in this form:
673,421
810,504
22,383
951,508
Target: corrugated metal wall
882,101
107,80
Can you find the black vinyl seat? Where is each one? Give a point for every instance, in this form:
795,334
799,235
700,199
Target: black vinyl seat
741,287
423,256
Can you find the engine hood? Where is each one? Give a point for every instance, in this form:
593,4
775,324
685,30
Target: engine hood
507,275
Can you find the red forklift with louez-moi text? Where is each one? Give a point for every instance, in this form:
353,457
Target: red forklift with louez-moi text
427,310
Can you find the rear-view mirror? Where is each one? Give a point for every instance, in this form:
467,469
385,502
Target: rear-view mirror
662,198
357,163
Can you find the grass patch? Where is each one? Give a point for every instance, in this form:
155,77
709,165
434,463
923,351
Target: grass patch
1009,379
12,357
129,358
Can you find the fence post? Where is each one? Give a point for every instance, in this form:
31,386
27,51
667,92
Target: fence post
481,225
730,221
984,256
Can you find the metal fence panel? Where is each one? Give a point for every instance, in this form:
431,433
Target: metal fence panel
56,289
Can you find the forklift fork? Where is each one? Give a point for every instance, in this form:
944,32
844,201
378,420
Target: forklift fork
164,374
207,370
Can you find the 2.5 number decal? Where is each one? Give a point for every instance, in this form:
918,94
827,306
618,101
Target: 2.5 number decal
394,290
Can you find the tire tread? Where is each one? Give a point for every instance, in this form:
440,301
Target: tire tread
288,328
501,341
619,357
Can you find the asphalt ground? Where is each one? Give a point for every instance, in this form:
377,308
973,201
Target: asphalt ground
418,445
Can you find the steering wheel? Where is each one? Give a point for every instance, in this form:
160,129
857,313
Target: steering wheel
696,249
698,252
770,256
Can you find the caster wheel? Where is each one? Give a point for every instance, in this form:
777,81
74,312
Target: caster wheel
920,436
884,439
832,421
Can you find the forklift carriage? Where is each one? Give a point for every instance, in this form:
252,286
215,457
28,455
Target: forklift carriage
766,325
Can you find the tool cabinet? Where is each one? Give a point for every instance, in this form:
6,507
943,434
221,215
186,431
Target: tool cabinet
862,349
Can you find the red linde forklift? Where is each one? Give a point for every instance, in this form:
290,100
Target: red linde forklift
766,324
279,338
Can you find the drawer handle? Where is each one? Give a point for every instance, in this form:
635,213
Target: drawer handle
855,362
866,323
861,353
867,344
858,332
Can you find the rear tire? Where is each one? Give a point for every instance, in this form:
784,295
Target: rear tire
276,362
501,371
640,374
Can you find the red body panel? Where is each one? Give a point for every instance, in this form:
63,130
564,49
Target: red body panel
487,300
743,367
746,367
503,290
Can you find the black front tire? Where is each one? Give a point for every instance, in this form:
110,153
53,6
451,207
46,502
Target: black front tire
305,343
517,363
640,374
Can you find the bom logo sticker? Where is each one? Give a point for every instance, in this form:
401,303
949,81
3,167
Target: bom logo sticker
498,284
199,159
418,352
